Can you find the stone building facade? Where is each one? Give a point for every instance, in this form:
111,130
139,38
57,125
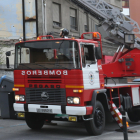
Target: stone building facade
11,26
52,16
57,14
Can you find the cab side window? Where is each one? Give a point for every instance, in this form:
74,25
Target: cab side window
88,54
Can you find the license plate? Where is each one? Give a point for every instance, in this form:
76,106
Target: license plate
44,110
21,115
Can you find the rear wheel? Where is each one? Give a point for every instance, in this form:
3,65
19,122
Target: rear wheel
134,115
35,121
48,121
96,126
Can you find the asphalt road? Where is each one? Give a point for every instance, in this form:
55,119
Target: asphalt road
18,130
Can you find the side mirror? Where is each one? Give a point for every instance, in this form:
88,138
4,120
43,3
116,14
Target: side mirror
8,53
98,53
7,62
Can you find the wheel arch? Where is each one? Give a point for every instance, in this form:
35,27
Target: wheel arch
101,96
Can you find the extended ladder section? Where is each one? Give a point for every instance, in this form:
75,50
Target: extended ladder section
113,24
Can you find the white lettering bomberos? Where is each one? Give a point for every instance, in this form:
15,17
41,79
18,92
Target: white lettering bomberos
45,72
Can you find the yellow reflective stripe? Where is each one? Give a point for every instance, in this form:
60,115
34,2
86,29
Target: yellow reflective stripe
70,86
19,86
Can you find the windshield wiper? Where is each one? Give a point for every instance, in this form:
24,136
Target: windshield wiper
26,66
62,67
41,66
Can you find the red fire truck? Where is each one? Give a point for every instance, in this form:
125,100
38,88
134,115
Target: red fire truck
66,76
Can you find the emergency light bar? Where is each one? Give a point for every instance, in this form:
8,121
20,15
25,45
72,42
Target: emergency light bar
41,37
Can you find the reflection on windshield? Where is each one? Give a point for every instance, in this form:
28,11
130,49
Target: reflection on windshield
29,55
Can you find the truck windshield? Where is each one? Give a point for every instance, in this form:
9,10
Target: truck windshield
40,55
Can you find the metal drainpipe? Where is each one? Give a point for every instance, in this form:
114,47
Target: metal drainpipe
45,17
36,6
23,15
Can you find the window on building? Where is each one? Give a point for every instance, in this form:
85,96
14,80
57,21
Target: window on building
56,14
96,28
86,22
73,19
125,3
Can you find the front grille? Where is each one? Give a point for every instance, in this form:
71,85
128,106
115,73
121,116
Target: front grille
54,96
44,81
44,76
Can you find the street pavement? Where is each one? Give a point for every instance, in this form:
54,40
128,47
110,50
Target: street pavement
18,130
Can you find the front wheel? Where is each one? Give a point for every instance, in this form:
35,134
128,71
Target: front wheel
34,121
97,124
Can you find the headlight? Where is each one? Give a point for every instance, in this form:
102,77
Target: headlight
76,100
70,100
16,97
73,100
20,98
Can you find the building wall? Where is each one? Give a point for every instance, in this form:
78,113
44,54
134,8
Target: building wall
11,24
134,11
11,21
125,5
65,18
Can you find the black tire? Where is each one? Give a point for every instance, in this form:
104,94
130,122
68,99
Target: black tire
134,115
48,121
96,126
35,121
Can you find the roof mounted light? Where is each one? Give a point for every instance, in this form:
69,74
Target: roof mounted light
45,36
39,38
95,35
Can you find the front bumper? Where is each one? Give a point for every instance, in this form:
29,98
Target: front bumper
56,109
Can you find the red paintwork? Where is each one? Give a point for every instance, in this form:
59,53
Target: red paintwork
89,110
118,55
124,89
108,59
101,77
119,69
75,77
78,40
114,57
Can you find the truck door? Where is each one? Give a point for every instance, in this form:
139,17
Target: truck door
89,67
